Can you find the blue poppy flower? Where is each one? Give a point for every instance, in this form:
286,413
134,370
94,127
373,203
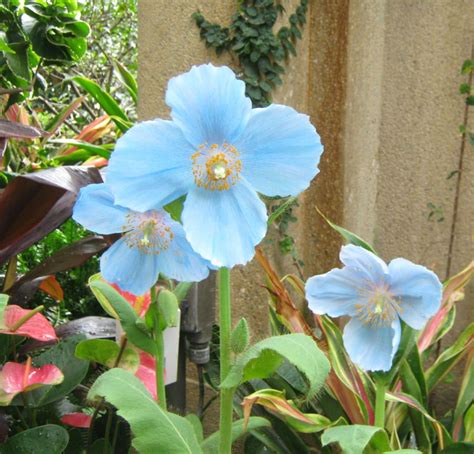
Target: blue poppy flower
376,296
151,243
221,153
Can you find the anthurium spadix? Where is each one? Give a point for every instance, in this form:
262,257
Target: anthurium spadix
376,296
221,153
16,378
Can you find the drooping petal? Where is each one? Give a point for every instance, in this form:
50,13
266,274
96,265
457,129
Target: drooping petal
16,378
130,269
280,151
150,166
180,261
79,420
37,327
209,104
417,289
335,293
95,210
372,347
370,268
225,226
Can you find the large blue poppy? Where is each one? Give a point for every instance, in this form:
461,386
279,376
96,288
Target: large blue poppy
376,296
221,153
151,243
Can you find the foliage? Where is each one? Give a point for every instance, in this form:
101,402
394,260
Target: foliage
261,52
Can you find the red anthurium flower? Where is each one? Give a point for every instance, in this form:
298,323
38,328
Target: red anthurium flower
139,302
16,378
146,372
80,420
28,323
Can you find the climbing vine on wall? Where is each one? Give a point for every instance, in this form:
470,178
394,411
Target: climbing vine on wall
260,50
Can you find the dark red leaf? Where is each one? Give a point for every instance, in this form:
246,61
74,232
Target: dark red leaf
12,129
33,205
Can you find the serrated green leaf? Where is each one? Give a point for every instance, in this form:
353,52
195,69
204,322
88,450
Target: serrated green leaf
154,429
263,358
355,438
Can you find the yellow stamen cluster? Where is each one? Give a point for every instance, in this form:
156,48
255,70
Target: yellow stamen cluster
215,167
380,309
147,232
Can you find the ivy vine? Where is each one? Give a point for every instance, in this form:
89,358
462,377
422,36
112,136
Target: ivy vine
260,51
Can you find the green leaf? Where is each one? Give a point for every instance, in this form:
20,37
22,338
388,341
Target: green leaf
109,297
211,444
459,448
48,439
94,150
127,80
281,210
104,99
181,290
175,208
350,237
404,451
197,426
105,352
239,340
4,47
17,60
354,439
465,396
263,358
154,429
450,357
73,369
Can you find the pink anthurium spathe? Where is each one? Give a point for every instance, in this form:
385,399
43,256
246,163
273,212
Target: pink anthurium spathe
79,420
28,323
146,372
16,378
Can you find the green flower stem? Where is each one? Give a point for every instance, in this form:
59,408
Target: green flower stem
25,318
226,395
380,403
160,355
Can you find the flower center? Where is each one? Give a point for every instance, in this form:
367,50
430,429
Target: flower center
381,308
216,167
148,232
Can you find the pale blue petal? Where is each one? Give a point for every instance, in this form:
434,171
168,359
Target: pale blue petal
209,104
179,261
370,268
150,166
372,347
96,211
225,226
280,151
335,293
129,268
417,289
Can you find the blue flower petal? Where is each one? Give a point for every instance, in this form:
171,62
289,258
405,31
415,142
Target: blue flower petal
225,226
280,151
334,293
150,166
129,268
370,268
180,261
418,289
372,347
95,210
209,104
